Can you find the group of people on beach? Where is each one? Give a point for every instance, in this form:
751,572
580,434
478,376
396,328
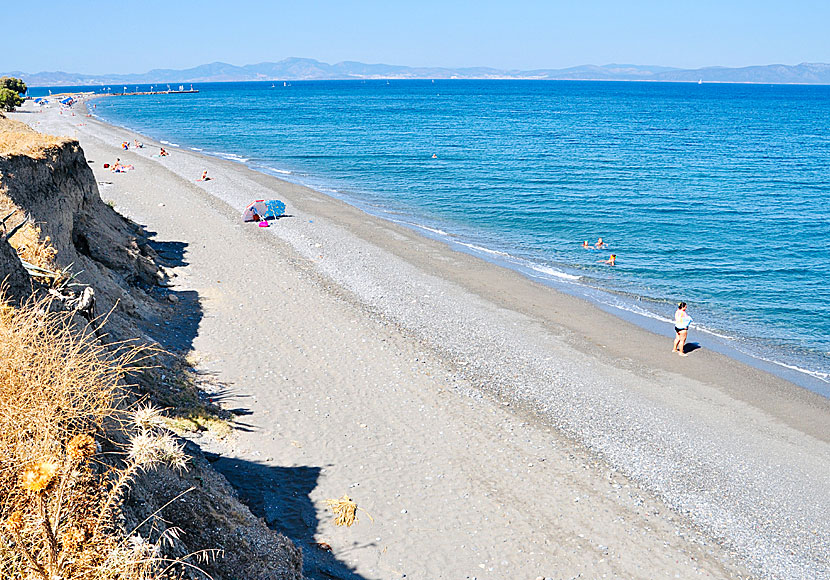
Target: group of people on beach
600,245
682,320
125,145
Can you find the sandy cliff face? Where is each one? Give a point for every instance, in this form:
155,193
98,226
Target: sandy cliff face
17,284
49,183
56,191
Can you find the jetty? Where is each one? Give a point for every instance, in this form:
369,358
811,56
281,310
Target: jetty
182,92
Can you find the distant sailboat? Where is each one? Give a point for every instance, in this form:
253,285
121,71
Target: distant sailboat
700,82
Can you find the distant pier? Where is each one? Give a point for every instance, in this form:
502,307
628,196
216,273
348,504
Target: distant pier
187,91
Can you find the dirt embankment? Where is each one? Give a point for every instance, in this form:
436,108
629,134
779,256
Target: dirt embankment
50,202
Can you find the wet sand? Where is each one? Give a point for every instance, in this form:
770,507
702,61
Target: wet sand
491,427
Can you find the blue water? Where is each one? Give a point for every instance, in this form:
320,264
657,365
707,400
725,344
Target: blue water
712,194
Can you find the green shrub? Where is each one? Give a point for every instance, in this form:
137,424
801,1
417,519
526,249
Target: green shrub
9,100
13,84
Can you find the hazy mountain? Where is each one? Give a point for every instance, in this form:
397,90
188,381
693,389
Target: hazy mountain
309,69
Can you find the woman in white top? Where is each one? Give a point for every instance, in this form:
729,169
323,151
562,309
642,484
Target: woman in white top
682,321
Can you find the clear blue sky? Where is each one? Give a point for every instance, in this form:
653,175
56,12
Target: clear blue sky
95,37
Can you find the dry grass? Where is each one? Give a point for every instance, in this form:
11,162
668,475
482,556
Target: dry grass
59,397
179,389
345,511
198,421
17,138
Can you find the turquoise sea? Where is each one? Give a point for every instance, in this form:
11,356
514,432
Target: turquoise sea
713,194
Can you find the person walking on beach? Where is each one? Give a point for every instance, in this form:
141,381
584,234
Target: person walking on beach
682,321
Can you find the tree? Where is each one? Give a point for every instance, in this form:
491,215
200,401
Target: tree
9,100
10,91
13,84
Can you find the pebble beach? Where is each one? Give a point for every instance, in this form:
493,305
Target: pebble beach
488,426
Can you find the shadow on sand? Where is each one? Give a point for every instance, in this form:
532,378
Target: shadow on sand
279,495
691,347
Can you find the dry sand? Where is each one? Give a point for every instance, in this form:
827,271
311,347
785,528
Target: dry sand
491,427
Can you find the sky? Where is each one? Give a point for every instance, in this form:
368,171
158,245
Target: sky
95,37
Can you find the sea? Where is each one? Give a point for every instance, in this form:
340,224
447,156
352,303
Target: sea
712,194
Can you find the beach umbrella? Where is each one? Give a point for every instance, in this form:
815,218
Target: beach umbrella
265,209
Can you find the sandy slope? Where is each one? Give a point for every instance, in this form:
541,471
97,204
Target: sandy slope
483,421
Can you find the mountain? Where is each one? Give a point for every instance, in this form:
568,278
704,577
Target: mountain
291,69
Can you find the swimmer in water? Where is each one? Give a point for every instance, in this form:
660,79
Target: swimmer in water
611,261
434,156
600,245
587,246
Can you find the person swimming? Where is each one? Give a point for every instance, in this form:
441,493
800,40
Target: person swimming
587,246
600,245
611,261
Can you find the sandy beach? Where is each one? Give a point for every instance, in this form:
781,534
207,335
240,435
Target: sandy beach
489,426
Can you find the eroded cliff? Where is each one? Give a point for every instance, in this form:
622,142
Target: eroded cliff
48,190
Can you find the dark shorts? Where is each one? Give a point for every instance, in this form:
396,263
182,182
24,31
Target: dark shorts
679,330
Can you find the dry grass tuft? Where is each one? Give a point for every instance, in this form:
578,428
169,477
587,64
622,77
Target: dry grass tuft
180,392
345,511
59,495
38,476
17,138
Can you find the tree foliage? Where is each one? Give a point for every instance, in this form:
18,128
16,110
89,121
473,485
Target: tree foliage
10,91
13,84
9,99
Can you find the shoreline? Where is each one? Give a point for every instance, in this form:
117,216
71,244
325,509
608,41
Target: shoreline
623,307
707,434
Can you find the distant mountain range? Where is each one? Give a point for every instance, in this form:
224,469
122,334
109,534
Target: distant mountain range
295,69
